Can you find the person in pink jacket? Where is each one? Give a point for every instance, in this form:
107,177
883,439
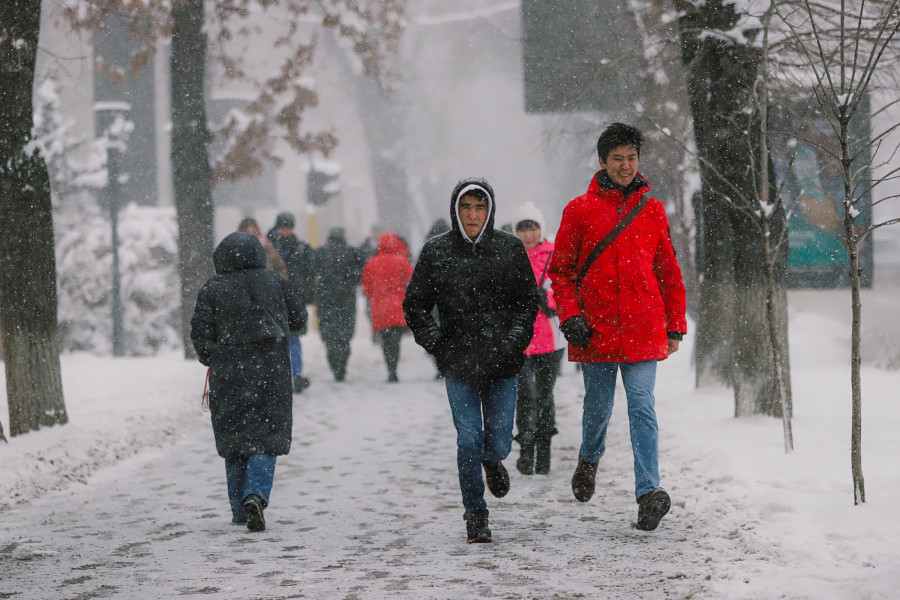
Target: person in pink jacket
535,408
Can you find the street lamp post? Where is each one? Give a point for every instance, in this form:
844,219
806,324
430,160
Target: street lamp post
115,116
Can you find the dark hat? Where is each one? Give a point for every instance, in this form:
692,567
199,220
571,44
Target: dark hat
284,219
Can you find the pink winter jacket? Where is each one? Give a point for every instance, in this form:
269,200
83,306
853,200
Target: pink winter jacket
546,330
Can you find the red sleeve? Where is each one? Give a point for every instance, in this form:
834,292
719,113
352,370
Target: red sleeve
564,266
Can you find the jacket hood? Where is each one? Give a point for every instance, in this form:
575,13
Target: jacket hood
336,236
238,251
461,188
391,244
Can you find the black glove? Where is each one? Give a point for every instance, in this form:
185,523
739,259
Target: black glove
542,304
576,331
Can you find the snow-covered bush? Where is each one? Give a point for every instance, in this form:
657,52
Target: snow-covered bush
148,263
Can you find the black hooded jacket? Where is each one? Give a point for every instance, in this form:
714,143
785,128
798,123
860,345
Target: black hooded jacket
240,329
245,302
485,296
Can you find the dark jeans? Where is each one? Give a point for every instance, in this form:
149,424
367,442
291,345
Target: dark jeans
390,345
245,476
536,410
483,417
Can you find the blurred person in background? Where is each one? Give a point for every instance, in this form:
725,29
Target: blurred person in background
298,257
384,281
535,408
338,270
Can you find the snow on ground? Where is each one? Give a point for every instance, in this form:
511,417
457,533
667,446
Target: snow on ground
128,499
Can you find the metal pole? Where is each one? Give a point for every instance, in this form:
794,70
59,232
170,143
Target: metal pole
114,190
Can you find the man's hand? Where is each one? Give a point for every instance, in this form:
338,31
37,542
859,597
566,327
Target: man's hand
672,347
576,331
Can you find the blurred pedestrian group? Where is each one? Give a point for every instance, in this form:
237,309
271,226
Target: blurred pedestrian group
495,308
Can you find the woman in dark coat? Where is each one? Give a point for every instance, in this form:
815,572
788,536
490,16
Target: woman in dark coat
240,328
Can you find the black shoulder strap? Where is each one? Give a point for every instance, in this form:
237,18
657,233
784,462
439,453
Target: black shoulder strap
546,265
606,241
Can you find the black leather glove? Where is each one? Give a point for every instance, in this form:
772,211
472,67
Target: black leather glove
576,331
542,304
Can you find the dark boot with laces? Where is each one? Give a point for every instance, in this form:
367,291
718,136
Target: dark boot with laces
497,478
477,530
584,479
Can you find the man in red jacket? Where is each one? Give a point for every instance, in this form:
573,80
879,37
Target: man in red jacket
625,312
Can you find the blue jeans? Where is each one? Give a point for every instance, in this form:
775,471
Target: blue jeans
296,355
251,475
639,379
483,415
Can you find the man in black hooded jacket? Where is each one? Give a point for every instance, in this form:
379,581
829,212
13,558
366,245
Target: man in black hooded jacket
481,282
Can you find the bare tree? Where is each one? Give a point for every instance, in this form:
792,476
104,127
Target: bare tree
848,48
28,277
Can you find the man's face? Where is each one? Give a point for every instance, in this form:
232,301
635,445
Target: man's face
473,214
530,236
285,231
621,164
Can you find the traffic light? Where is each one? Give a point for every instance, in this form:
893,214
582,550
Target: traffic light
321,186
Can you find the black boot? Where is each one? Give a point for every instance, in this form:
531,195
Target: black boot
497,478
525,464
253,506
542,455
652,507
583,481
477,530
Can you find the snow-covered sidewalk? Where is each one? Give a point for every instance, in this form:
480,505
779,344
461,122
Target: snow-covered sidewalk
128,500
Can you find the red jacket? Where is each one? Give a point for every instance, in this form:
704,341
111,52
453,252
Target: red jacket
633,293
384,281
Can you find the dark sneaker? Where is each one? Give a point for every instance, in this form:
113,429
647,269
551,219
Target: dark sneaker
497,478
652,507
542,456
477,530
300,384
525,464
238,520
253,506
584,480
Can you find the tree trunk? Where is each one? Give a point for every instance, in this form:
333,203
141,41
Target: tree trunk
732,332
192,175
28,276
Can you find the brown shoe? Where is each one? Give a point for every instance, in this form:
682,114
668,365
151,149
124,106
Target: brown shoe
584,480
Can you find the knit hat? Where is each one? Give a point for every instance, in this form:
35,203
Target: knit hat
284,219
530,212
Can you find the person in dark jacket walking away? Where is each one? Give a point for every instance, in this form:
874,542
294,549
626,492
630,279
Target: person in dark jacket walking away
240,328
338,269
384,281
535,409
298,257
481,282
623,312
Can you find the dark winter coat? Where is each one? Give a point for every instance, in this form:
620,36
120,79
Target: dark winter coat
633,293
485,297
338,268
384,281
298,256
240,329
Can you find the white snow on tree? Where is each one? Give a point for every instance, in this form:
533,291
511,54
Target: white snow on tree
148,258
